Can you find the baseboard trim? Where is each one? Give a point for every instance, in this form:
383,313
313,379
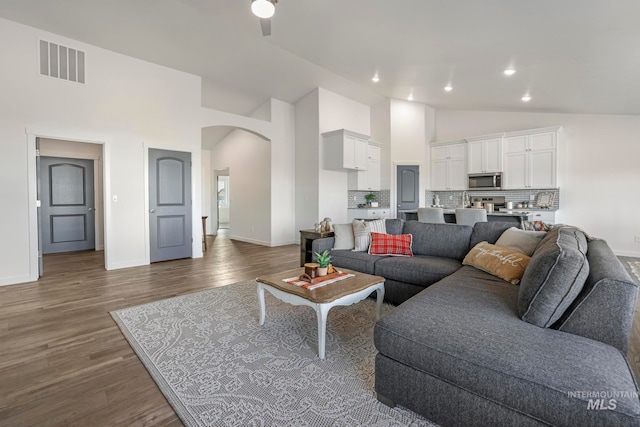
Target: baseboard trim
15,280
128,264
632,254
246,240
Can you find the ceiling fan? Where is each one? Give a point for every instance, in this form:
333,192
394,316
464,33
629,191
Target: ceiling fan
264,9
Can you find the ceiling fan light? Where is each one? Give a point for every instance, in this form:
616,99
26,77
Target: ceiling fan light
263,8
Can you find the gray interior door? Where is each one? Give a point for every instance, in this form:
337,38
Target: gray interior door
169,204
408,187
67,214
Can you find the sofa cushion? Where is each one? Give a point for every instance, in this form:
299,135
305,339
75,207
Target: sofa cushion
520,240
504,263
604,309
555,276
465,331
394,225
416,270
390,244
441,240
343,235
488,232
358,261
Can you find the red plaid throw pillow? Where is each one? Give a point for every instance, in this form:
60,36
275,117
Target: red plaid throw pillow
391,244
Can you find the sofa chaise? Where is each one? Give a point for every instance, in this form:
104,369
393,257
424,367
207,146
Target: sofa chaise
464,347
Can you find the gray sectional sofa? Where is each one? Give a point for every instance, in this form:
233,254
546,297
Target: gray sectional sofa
464,347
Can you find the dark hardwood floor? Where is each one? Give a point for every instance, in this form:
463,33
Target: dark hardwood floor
63,360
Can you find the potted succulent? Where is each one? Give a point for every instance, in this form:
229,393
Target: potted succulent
369,198
323,259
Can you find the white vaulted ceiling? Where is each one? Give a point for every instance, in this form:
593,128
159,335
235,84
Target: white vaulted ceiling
576,56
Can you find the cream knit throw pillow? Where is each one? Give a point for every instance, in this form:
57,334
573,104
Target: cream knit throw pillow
362,233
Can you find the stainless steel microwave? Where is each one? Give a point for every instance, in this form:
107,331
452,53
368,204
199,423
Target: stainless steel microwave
485,181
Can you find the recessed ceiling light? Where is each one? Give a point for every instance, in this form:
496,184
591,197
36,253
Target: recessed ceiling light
448,88
509,72
526,98
263,8
375,78
410,97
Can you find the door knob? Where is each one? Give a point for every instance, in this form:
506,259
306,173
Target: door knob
152,210
90,209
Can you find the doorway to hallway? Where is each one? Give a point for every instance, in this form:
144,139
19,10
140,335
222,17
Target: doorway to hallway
224,200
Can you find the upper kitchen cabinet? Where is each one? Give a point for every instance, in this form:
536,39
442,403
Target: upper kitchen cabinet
449,166
368,180
345,150
530,159
484,154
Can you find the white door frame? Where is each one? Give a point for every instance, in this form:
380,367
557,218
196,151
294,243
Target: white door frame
33,193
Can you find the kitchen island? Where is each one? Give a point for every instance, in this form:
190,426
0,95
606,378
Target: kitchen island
450,216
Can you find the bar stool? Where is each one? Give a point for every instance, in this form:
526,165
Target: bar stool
432,215
469,216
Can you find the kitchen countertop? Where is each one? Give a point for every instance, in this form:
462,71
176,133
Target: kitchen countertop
370,207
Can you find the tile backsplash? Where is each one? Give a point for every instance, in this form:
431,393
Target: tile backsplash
383,197
517,196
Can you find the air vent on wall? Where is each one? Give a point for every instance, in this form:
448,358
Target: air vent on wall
61,62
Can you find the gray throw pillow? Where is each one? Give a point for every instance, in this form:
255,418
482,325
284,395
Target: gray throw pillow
554,277
343,236
520,240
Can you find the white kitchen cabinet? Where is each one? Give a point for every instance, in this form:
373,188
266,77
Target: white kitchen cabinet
530,160
548,217
345,150
449,167
373,213
367,180
485,155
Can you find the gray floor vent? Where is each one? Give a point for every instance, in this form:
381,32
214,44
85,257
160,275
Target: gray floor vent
61,62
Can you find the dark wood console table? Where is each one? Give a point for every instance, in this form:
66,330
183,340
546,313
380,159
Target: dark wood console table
306,239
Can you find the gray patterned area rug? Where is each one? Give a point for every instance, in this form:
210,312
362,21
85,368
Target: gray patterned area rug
218,367
634,267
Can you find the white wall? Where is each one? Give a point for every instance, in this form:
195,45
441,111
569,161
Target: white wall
337,112
248,158
126,104
599,170
208,189
403,128
261,168
307,166
282,173
381,133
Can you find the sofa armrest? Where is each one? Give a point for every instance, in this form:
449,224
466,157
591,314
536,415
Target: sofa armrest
604,310
321,245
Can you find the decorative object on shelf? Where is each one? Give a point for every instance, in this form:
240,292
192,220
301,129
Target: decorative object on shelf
327,224
369,198
318,227
544,199
436,201
324,260
311,269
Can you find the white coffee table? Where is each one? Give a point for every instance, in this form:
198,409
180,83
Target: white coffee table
345,292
